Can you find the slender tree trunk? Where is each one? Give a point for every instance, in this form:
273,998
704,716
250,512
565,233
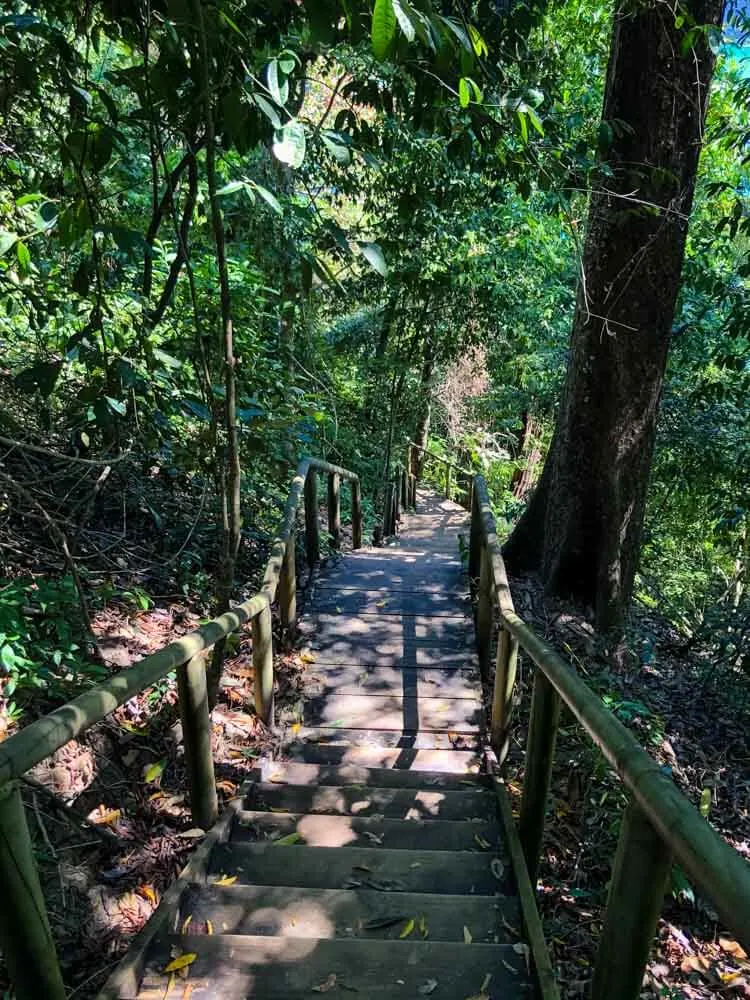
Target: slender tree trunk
422,431
583,525
230,516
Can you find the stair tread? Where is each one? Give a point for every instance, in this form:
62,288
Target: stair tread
333,913
394,711
298,773
352,800
405,739
457,681
400,759
367,831
237,967
446,872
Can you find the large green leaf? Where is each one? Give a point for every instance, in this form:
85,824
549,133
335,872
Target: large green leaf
374,256
383,27
289,144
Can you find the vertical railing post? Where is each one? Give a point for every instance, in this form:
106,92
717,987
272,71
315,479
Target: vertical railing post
196,736
475,542
636,894
413,481
334,510
312,528
396,499
403,483
25,935
484,613
502,700
356,515
540,753
448,471
288,592
263,665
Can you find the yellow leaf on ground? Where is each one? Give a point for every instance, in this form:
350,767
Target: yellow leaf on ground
225,880
209,927
467,935
148,893
181,962
306,656
408,928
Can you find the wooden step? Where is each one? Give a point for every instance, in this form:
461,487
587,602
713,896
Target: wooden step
295,773
375,602
327,628
399,759
406,739
335,913
394,712
358,831
445,872
237,967
396,803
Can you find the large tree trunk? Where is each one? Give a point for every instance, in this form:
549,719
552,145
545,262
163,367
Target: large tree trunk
582,527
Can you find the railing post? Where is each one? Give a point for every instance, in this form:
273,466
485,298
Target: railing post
448,471
475,542
413,481
25,935
334,510
540,752
403,483
196,735
484,613
288,592
396,499
356,515
502,700
312,528
263,665
636,895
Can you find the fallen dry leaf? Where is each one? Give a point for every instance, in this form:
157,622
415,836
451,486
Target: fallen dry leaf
181,962
225,880
327,985
467,935
408,928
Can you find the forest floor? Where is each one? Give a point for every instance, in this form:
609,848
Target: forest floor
694,721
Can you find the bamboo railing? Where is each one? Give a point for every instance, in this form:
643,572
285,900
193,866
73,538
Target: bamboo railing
659,826
25,937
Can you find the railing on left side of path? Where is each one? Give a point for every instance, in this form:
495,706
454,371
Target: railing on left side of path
25,936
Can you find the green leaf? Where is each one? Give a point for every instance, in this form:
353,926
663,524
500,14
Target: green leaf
477,42
277,87
166,359
7,240
289,144
154,771
268,198
536,121
383,28
337,147
24,257
7,657
464,92
231,188
117,406
268,110
374,256
521,115
404,22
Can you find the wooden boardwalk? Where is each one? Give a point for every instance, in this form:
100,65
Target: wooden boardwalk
372,862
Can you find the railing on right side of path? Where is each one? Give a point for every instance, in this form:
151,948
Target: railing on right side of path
659,825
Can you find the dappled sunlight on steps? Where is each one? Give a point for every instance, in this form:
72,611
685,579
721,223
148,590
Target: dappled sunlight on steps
374,859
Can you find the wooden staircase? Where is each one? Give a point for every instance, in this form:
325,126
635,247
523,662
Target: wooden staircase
374,861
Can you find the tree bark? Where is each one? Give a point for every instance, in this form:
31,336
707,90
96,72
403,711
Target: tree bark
422,432
582,527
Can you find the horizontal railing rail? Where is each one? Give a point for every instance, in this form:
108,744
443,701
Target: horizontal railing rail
660,825
25,935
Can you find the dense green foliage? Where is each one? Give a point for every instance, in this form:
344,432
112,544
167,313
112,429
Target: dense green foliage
395,185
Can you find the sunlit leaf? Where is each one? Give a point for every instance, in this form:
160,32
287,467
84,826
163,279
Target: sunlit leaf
383,27
181,962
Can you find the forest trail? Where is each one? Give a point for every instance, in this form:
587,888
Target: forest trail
375,859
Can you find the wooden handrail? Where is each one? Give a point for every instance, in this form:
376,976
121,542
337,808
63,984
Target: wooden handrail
25,936
659,824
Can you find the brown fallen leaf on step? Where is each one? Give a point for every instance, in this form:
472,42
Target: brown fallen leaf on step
195,834
733,948
327,985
